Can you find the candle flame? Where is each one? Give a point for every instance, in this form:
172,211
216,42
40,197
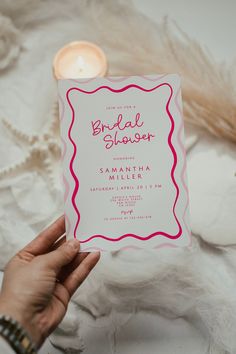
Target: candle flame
80,63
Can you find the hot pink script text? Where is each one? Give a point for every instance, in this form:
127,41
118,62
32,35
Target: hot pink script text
116,137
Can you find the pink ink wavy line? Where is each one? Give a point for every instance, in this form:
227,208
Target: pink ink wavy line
153,78
83,81
63,153
67,188
71,165
90,249
62,107
125,248
185,164
172,169
68,225
62,114
64,149
131,247
163,245
128,248
124,78
117,79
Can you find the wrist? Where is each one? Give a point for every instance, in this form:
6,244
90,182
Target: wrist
11,309
16,336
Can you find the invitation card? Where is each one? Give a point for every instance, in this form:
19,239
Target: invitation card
124,166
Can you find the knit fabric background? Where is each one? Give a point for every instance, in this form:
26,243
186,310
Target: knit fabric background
171,301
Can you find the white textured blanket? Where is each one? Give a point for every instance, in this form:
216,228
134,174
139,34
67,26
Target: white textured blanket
171,301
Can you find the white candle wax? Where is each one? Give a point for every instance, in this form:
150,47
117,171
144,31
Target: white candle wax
79,60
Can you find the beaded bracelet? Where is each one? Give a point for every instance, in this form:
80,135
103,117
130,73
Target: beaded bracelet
16,336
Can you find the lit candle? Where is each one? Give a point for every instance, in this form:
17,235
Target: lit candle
79,60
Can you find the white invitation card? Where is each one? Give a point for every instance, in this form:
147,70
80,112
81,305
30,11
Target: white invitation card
124,165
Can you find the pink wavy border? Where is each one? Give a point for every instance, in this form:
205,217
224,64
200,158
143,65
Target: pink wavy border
62,113
94,249
117,79
67,188
63,153
154,79
185,164
68,224
73,173
76,188
83,81
128,248
163,245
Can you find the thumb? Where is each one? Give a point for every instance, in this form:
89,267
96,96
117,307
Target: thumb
63,255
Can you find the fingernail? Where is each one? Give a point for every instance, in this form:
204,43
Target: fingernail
96,254
75,244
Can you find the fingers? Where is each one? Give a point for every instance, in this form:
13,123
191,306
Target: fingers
64,291
42,243
58,243
61,256
68,269
76,278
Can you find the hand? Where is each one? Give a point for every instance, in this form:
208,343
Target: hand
40,280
